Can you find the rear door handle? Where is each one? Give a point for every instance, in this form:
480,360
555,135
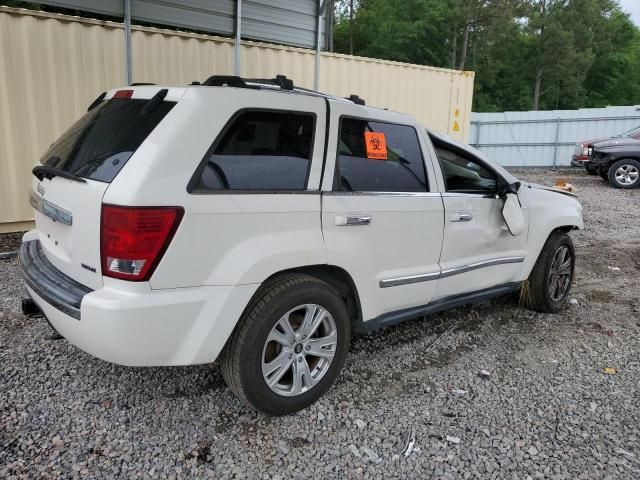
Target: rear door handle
462,217
349,221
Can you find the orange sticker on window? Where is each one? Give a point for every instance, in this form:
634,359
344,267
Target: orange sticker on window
376,145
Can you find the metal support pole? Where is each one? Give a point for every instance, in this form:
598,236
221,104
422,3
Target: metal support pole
555,144
238,31
316,78
127,42
478,123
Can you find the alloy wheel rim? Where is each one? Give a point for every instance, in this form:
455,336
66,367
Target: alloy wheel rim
627,174
560,273
299,350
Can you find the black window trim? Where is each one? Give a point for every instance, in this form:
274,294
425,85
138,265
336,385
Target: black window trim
335,187
195,178
461,151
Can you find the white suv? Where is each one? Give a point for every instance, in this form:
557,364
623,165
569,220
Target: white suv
261,224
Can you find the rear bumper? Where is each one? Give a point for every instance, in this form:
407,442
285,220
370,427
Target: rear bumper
49,283
182,326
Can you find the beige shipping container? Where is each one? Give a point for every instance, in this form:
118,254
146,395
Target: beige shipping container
53,66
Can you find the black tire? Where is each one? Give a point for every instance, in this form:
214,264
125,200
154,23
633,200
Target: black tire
536,291
241,360
628,181
591,170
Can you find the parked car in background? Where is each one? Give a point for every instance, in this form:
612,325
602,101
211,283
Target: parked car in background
582,153
617,161
261,224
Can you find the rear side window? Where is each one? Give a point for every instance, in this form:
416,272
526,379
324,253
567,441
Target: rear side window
99,144
260,150
379,157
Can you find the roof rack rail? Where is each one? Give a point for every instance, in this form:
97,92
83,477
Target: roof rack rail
280,80
356,99
229,80
234,81
139,84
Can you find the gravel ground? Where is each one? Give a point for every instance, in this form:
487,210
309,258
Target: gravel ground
10,242
547,409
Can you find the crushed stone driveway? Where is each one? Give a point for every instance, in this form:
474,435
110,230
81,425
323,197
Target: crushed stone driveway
402,407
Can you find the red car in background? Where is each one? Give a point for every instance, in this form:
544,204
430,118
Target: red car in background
581,155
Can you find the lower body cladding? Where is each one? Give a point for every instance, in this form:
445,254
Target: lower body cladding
183,326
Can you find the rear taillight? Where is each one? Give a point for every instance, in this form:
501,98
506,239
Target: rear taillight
133,239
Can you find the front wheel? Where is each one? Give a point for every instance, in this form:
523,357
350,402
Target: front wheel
625,174
289,347
552,275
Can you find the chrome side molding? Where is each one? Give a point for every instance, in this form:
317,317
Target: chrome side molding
425,277
394,282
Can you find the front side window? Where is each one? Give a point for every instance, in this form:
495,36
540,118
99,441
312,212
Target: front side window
261,150
463,173
379,157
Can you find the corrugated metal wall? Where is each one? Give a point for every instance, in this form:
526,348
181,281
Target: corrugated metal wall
536,139
290,22
53,66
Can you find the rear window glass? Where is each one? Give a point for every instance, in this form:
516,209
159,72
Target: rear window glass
261,150
99,144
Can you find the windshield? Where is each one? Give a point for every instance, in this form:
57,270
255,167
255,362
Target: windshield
100,143
634,132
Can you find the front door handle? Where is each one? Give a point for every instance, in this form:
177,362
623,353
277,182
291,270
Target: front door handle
462,217
352,221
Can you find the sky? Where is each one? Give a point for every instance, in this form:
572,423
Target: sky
632,7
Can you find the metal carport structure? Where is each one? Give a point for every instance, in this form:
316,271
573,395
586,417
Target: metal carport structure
299,23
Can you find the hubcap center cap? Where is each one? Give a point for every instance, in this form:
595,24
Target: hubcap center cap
297,348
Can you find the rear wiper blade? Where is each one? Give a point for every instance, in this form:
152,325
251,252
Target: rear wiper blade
45,171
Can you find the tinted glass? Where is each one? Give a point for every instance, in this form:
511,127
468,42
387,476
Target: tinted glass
366,164
465,174
261,151
99,144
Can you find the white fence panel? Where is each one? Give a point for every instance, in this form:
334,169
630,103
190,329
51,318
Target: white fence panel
542,139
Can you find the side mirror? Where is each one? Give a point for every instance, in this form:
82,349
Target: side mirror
512,214
505,188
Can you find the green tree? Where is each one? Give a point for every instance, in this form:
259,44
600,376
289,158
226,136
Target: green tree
540,54
407,31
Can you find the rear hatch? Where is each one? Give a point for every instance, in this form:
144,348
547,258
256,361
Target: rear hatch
76,171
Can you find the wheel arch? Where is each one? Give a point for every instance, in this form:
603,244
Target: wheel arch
536,246
623,157
335,276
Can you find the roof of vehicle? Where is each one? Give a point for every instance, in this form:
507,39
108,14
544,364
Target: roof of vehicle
280,84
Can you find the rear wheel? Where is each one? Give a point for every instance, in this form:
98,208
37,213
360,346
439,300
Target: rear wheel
551,278
591,170
289,347
625,174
